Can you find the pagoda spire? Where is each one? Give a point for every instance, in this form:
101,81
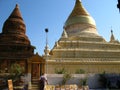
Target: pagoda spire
16,13
78,10
15,28
14,23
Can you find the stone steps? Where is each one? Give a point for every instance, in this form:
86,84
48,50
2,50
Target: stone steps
35,84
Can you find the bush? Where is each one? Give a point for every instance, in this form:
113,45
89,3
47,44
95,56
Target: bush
80,71
83,82
103,79
66,77
60,70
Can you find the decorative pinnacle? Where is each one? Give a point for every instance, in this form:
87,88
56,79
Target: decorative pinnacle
17,6
46,30
111,31
78,0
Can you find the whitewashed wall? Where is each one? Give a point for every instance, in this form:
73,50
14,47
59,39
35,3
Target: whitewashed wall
93,79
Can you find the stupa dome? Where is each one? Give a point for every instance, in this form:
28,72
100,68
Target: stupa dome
80,21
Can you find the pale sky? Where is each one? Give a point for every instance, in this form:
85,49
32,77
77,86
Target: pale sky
52,14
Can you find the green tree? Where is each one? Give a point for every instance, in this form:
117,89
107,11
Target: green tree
16,71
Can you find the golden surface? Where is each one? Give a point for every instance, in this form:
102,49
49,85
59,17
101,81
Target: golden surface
78,10
79,15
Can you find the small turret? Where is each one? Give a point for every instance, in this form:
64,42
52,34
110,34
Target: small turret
46,50
64,34
112,38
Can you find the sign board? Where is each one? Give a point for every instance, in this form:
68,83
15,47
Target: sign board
10,85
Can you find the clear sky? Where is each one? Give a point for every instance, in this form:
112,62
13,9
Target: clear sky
52,14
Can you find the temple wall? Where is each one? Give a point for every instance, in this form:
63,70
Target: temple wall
88,68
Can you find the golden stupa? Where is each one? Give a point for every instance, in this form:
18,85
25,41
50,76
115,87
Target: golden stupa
80,47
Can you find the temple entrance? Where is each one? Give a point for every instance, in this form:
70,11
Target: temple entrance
37,70
36,66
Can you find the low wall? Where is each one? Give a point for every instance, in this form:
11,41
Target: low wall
92,79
